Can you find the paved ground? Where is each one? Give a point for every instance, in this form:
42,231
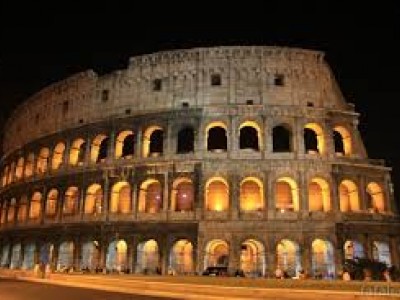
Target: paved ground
21,290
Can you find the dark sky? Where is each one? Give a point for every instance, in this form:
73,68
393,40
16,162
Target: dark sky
40,44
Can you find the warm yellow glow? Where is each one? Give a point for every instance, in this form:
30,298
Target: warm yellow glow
5,176
11,173
182,257
286,194
19,171
217,194
146,139
319,195
94,199
252,257
251,194
217,252
29,165
320,136
119,144
95,149
348,195
71,199
377,196
58,156
51,203
43,160
182,195
35,205
121,198
23,209
346,139
75,151
287,255
11,210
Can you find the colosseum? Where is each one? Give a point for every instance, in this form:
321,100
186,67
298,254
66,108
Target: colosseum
245,157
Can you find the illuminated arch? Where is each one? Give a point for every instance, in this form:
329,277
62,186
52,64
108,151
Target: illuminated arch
90,255
23,209
217,254
65,255
125,144
250,136
181,257
117,258
71,201
353,250
377,198
43,160
77,152
35,205
252,258
58,156
153,141
216,136
217,194
348,195
11,173
286,194
5,176
148,257
314,140
251,194
98,152
150,196
288,257
16,255
29,165
19,171
381,252
182,195
51,202
121,198
342,140
11,210
94,199
322,258
28,262
319,198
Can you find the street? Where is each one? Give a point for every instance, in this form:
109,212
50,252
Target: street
21,290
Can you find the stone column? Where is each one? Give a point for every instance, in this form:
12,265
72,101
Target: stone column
67,150
43,205
234,205
234,255
111,146
106,195
303,193
166,186
87,151
164,255
394,251
362,191
306,256
77,257
138,143
271,257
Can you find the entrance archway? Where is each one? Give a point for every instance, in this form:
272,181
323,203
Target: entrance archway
181,257
252,258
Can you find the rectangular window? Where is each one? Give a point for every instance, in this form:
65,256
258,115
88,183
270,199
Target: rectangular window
310,104
185,104
215,79
105,94
128,111
37,117
249,102
279,80
157,85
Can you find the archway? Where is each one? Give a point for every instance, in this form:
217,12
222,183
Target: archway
286,195
46,254
35,205
148,257
181,257
153,141
94,199
116,259
150,196
348,195
99,149
288,257
185,140
251,194
377,199
314,141
217,140
5,252
319,198
342,141
217,254
29,165
29,256
16,256
65,256
43,160
323,264
121,198
77,152
252,258
19,171
182,195
281,138
90,255
353,250
250,136
217,194
125,144
51,203
58,156
381,252
71,201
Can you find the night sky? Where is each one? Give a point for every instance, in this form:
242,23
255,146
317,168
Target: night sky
40,44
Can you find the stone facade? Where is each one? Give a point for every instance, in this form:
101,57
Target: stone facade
296,206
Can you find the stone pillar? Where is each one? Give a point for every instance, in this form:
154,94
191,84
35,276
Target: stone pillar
134,245
21,256
138,143
166,186
303,193
134,198
103,246
234,255
111,146
334,188
271,257
233,135
77,257
339,258
234,192
362,191
87,151
106,195
394,251
43,205
270,189
164,255
129,253
368,247
306,256
67,150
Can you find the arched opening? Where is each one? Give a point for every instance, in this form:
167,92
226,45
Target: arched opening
153,141
250,136
77,152
148,257
94,199
150,196
65,256
217,254
281,139
35,206
185,140
5,176
11,210
90,256
319,195
11,173
181,258
19,171
117,259
121,198
251,194
286,195
217,194
182,196
43,160
252,258
342,141
58,156
381,252
217,140
314,141
71,201
323,264
46,254
51,203
3,218
288,257
5,255
353,250
29,165
23,209
99,149
15,256
125,145
377,199
348,195
29,256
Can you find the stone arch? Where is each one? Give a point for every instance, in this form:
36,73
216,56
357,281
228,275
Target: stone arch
281,138
125,144
30,161
12,206
35,205
217,194
94,199
323,262
16,255
99,149
153,141
319,195
314,140
150,196
23,209
286,194
288,257
148,257
28,262
43,160
251,194
342,141
216,137
11,173
90,255
51,203
216,253
5,176
5,254
121,198
77,152
117,258
348,195
58,156
381,252
182,195
65,259
46,253
376,197
252,258
71,201
185,142
353,250
181,257
250,136
19,171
